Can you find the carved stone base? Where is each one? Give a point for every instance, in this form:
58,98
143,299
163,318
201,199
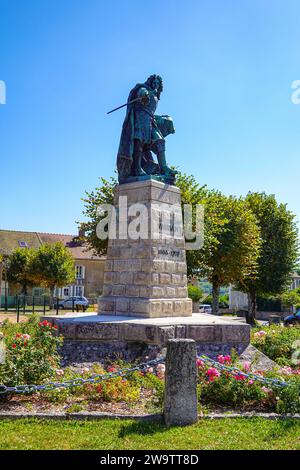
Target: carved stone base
89,337
147,277
144,307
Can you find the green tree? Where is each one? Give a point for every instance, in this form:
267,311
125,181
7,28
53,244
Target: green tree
279,249
101,195
231,250
290,298
53,266
20,268
193,193
195,294
231,237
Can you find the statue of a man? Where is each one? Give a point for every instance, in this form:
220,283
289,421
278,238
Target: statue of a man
144,132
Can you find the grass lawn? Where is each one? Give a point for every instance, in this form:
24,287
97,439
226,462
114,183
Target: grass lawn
254,433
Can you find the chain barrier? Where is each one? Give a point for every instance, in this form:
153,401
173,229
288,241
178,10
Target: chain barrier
78,382
97,378
235,371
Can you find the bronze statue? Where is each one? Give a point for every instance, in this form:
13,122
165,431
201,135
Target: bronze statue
144,132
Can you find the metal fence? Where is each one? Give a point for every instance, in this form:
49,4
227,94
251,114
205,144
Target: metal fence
43,304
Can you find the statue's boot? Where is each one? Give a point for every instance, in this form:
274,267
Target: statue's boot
164,169
137,157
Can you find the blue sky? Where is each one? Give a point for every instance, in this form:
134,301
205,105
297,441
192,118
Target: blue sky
227,67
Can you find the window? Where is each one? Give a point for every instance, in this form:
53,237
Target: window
22,244
79,291
79,272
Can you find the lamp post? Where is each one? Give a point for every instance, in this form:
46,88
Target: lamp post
3,268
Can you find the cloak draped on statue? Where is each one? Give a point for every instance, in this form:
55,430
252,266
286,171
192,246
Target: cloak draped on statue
125,152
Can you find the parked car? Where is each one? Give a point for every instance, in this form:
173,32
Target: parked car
293,319
205,308
79,303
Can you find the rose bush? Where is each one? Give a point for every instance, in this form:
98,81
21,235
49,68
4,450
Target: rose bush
31,352
237,391
277,342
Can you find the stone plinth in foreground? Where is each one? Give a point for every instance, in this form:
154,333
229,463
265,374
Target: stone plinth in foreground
89,338
147,277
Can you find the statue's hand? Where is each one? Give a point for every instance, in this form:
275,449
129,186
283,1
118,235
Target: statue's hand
144,96
145,100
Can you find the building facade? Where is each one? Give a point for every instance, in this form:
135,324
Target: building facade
89,268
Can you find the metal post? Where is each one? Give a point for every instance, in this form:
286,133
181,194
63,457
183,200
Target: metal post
73,303
5,299
180,405
33,304
18,309
5,284
56,305
44,305
24,302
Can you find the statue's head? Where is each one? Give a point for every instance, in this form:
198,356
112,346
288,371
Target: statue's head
155,82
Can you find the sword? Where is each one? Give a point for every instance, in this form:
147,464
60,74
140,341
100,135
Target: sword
140,98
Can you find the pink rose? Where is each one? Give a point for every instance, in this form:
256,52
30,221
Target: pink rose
224,359
260,334
26,337
227,359
247,366
212,373
240,377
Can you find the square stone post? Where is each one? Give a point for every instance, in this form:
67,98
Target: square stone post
180,405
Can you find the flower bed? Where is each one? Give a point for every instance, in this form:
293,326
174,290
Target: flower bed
279,343
31,352
237,391
32,358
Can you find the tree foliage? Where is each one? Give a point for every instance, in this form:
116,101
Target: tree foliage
101,195
279,249
20,268
231,250
53,266
195,293
290,298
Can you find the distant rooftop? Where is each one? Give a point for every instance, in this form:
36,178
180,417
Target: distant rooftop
12,239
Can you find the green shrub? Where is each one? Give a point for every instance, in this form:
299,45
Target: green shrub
224,301
277,342
118,389
31,352
289,398
236,391
194,293
208,300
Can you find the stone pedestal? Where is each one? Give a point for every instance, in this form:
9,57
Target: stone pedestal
146,277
